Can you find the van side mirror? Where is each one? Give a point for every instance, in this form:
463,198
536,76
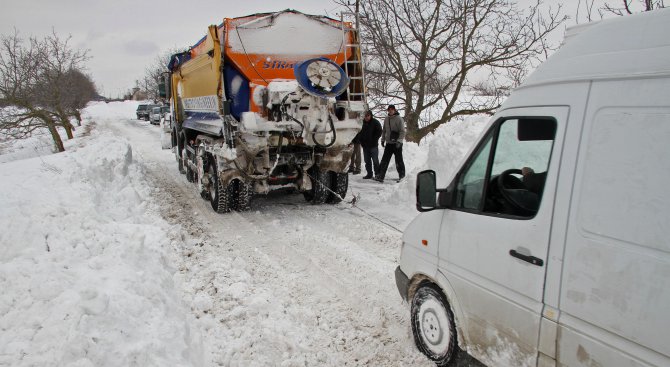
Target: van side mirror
426,191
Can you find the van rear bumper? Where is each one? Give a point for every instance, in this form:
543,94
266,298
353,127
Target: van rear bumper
402,282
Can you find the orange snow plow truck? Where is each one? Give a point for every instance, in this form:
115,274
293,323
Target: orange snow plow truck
266,102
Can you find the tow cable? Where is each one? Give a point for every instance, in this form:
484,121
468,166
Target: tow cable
353,202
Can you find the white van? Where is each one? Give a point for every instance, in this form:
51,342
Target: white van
569,265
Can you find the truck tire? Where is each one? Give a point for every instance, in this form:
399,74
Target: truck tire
433,325
243,193
181,165
320,186
339,183
173,137
178,149
190,174
202,187
221,195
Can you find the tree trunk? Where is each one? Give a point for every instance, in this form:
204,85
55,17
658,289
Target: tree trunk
58,142
65,121
412,124
77,115
69,130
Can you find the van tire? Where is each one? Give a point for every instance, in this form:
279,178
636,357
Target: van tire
433,325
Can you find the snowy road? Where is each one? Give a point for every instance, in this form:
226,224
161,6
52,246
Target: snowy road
286,283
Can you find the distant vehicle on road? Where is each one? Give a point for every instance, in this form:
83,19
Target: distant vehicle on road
156,114
143,111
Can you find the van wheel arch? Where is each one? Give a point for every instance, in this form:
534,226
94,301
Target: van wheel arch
418,281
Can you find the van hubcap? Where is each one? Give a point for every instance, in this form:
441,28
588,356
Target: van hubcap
430,324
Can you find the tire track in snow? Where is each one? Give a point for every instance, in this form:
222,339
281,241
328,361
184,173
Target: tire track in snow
279,286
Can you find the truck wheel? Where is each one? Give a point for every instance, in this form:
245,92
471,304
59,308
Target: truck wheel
204,189
178,149
173,137
190,174
433,325
221,195
243,193
181,165
320,185
339,183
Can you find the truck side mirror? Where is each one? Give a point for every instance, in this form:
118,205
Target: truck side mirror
426,191
162,90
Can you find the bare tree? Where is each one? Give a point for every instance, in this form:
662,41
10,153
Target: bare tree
586,6
19,74
154,74
33,85
627,7
615,7
81,90
55,79
425,55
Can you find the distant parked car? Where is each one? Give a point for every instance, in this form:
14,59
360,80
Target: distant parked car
156,114
143,111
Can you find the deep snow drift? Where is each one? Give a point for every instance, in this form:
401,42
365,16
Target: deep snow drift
83,264
102,263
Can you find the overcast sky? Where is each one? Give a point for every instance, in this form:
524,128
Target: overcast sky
124,36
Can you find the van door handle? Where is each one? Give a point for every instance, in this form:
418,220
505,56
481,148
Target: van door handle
527,258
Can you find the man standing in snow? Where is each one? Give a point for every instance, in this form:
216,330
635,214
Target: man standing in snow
393,135
355,164
369,138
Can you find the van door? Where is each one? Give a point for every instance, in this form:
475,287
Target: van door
495,236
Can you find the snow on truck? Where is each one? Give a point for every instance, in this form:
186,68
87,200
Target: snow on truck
265,102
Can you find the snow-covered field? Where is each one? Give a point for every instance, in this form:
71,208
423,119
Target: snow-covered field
109,257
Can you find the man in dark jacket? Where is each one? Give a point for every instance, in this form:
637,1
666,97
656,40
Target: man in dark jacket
369,138
355,164
393,135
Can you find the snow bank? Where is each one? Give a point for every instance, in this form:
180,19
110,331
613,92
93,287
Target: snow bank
442,151
41,143
83,269
112,110
448,147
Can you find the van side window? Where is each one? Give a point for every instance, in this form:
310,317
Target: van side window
506,175
471,186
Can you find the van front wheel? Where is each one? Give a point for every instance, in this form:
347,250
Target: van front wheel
433,325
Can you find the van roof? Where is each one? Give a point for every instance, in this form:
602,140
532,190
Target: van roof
622,47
